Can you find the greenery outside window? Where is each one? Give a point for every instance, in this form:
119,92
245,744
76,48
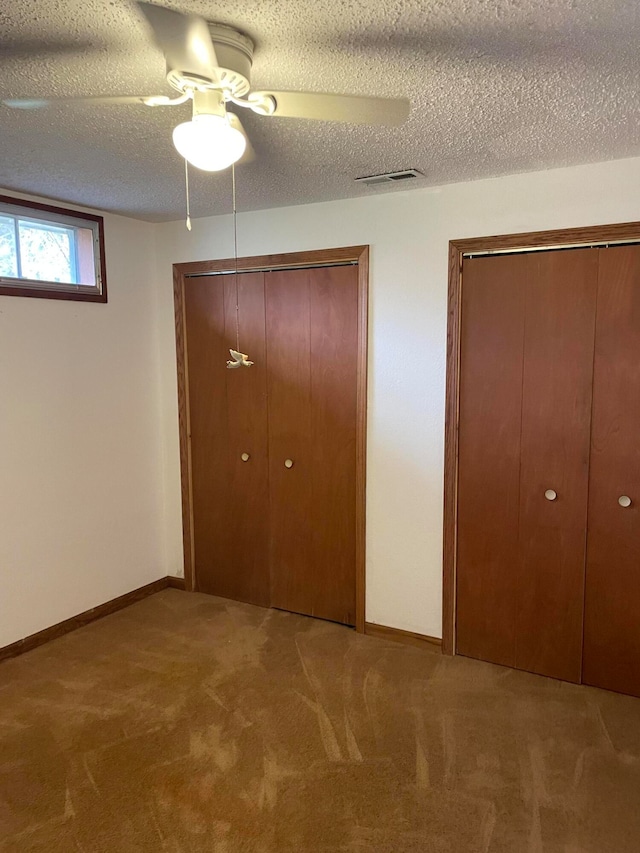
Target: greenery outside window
50,252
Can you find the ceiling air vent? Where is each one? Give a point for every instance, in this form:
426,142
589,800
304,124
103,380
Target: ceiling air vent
390,177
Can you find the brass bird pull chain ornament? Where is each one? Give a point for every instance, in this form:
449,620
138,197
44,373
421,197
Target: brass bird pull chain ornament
238,359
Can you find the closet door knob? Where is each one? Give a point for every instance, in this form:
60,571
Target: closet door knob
624,500
550,495
288,463
245,457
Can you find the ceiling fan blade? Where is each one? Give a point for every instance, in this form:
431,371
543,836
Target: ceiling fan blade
349,108
185,41
38,103
249,153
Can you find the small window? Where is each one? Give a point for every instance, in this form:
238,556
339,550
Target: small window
50,252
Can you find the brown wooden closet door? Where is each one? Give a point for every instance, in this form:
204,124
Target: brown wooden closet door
612,606
525,399
312,381
228,417
556,422
491,365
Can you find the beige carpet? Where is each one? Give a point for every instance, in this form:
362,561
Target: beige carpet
190,724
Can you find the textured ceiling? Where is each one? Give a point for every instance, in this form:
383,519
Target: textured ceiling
496,86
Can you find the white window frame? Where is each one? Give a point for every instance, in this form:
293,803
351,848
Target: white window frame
36,213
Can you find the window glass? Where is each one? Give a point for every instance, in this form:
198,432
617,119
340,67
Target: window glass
8,255
47,253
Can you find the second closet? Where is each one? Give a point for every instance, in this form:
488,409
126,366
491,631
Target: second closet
548,562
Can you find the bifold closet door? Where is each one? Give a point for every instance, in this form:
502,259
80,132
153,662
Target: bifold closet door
525,398
612,606
228,419
491,365
312,335
557,382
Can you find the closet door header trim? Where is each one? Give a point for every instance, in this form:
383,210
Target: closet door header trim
263,263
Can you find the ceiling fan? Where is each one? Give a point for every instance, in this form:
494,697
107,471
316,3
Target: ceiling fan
210,64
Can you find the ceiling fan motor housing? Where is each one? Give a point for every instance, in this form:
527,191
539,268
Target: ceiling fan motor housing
235,58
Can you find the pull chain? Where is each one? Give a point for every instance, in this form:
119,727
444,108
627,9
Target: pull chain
186,183
235,252
238,359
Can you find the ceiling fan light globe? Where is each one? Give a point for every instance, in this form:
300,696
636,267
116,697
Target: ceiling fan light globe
209,142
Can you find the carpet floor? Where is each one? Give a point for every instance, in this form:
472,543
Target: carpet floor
190,724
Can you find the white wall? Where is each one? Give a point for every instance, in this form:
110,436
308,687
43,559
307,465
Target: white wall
81,489
409,234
